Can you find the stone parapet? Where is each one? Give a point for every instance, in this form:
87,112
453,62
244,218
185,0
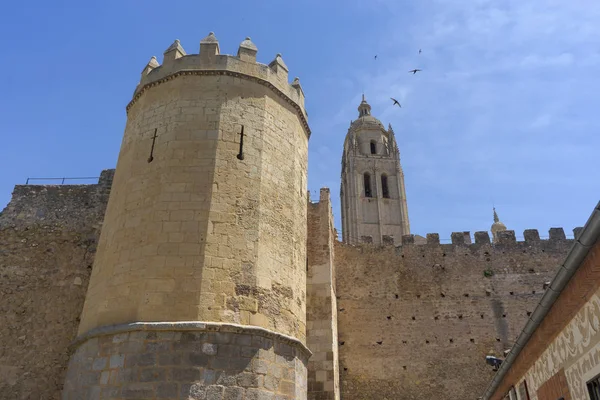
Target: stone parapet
209,62
505,239
186,360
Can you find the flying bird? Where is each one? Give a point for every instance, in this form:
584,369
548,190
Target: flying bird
419,51
376,56
395,102
414,71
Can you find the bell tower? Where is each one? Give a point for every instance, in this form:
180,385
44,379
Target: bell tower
373,197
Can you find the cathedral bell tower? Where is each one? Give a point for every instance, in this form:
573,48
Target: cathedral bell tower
373,197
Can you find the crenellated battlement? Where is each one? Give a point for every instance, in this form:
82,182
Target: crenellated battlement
506,239
209,62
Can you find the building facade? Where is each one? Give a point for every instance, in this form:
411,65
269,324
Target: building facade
557,354
373,196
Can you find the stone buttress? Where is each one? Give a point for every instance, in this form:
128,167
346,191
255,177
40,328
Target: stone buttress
198,289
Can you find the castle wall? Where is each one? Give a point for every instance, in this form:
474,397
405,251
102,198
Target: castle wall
416,321
321,309
48,236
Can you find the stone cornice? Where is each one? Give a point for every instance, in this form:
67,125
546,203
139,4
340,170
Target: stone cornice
264,82
190,326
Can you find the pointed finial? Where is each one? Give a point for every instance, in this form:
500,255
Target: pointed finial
364,108
153,63
173,52
209,48
279,67
247,50
211,38
496,219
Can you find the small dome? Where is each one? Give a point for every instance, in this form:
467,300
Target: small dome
498,226
367,122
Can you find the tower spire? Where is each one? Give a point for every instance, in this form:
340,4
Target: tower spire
364,108
497,226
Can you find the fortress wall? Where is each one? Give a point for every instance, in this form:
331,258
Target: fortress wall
416,321
47,244
321,309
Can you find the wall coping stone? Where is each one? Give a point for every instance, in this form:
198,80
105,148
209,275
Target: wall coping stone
189,326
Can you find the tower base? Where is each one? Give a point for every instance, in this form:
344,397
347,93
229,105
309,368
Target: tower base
186,360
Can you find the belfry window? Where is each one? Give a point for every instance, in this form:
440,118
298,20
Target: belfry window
373,147
367,183
384,186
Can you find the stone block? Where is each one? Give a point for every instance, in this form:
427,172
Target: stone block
557,234
117,361
140,360
138,391
531,235
99,364
458,238
104,376
167,390
408,239
482,237
214,392
152,374
248,380
198,359
169,359
233,393
506,238
433,238
188,374
257,394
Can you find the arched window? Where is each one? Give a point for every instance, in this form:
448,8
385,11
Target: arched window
384,186
367,183
373,147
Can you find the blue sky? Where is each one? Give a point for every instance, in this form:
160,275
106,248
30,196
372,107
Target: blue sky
504,112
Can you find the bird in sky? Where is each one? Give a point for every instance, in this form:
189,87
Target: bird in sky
376,56
395,102
414,71
419,51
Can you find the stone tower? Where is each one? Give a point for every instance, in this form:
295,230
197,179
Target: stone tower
199,283
374,208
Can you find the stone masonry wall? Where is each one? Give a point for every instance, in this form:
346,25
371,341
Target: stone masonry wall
321,309
198,234
416,322
206,364
47,242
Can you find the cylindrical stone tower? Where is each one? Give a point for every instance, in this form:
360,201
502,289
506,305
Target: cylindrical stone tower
198,286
